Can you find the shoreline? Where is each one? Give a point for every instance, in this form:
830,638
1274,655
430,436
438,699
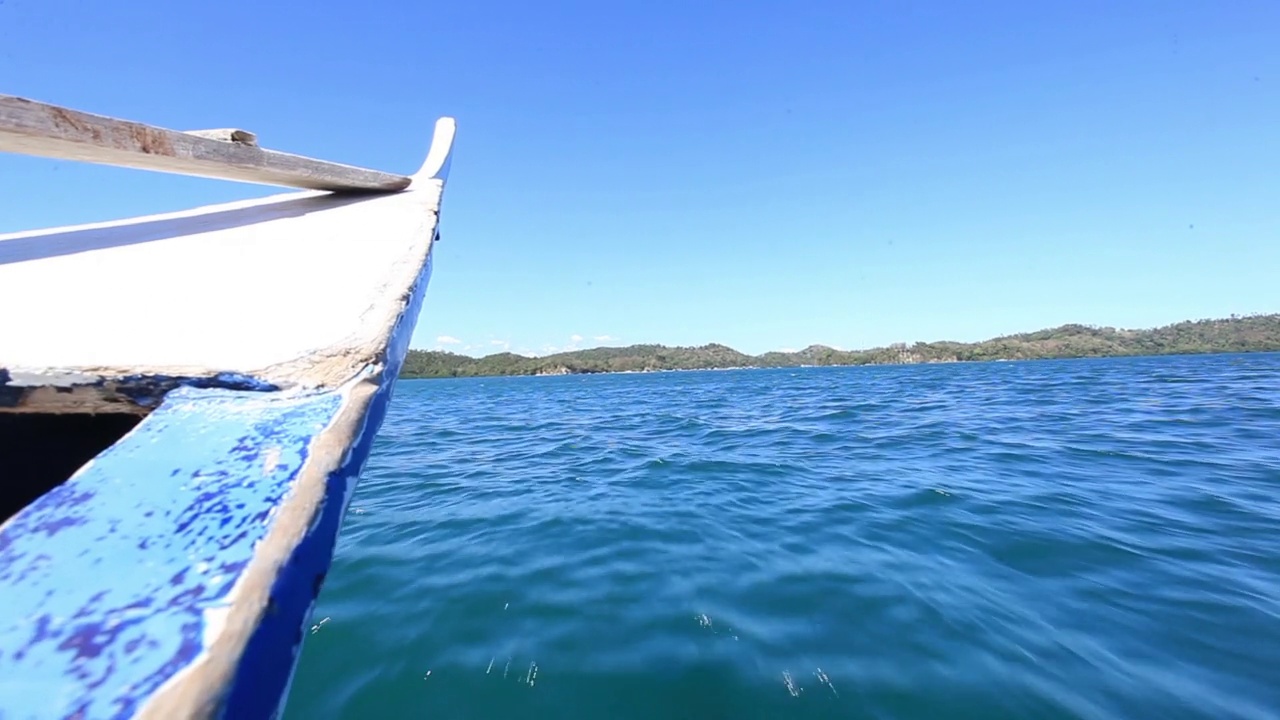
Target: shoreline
1252,333
850,365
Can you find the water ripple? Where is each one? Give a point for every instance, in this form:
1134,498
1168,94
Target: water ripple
1080,539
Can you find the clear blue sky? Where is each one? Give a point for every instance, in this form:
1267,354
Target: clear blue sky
766,175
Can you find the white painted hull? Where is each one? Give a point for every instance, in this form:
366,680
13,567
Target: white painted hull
171,576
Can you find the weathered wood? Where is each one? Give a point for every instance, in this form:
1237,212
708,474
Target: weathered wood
35,128
227,135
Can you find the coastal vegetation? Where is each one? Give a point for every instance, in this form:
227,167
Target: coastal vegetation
1253,333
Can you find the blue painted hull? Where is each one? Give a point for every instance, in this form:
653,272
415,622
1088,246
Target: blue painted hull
173,576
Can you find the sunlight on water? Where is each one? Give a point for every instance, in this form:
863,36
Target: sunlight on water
1081,539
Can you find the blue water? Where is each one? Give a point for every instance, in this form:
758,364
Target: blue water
1066,539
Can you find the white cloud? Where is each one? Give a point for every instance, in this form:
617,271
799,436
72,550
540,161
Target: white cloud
448,340
604,338
498,342
575,338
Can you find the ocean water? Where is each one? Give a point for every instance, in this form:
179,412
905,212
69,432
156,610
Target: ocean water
1064,539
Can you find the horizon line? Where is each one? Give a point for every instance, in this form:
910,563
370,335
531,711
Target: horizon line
812,346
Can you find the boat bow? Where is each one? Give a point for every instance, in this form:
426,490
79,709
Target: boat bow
173,573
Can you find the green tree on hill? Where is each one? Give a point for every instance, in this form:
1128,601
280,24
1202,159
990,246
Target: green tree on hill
1253,333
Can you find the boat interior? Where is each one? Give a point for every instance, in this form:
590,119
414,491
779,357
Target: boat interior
39,451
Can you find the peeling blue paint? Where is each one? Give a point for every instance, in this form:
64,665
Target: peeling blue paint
105,581
261,683
106,578
149,390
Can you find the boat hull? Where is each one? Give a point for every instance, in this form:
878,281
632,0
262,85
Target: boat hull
202,539
174,573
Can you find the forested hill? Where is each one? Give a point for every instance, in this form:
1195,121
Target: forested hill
1253,333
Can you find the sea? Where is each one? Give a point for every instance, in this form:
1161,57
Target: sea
1047,539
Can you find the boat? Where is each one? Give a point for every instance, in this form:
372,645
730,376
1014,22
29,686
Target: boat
186,402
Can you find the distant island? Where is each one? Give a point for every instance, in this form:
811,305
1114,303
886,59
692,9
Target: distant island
1253,333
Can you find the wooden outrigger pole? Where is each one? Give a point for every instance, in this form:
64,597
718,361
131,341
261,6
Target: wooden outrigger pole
30,127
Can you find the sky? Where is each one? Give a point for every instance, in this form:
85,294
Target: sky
763,175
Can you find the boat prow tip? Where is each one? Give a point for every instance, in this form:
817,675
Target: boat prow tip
436,166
